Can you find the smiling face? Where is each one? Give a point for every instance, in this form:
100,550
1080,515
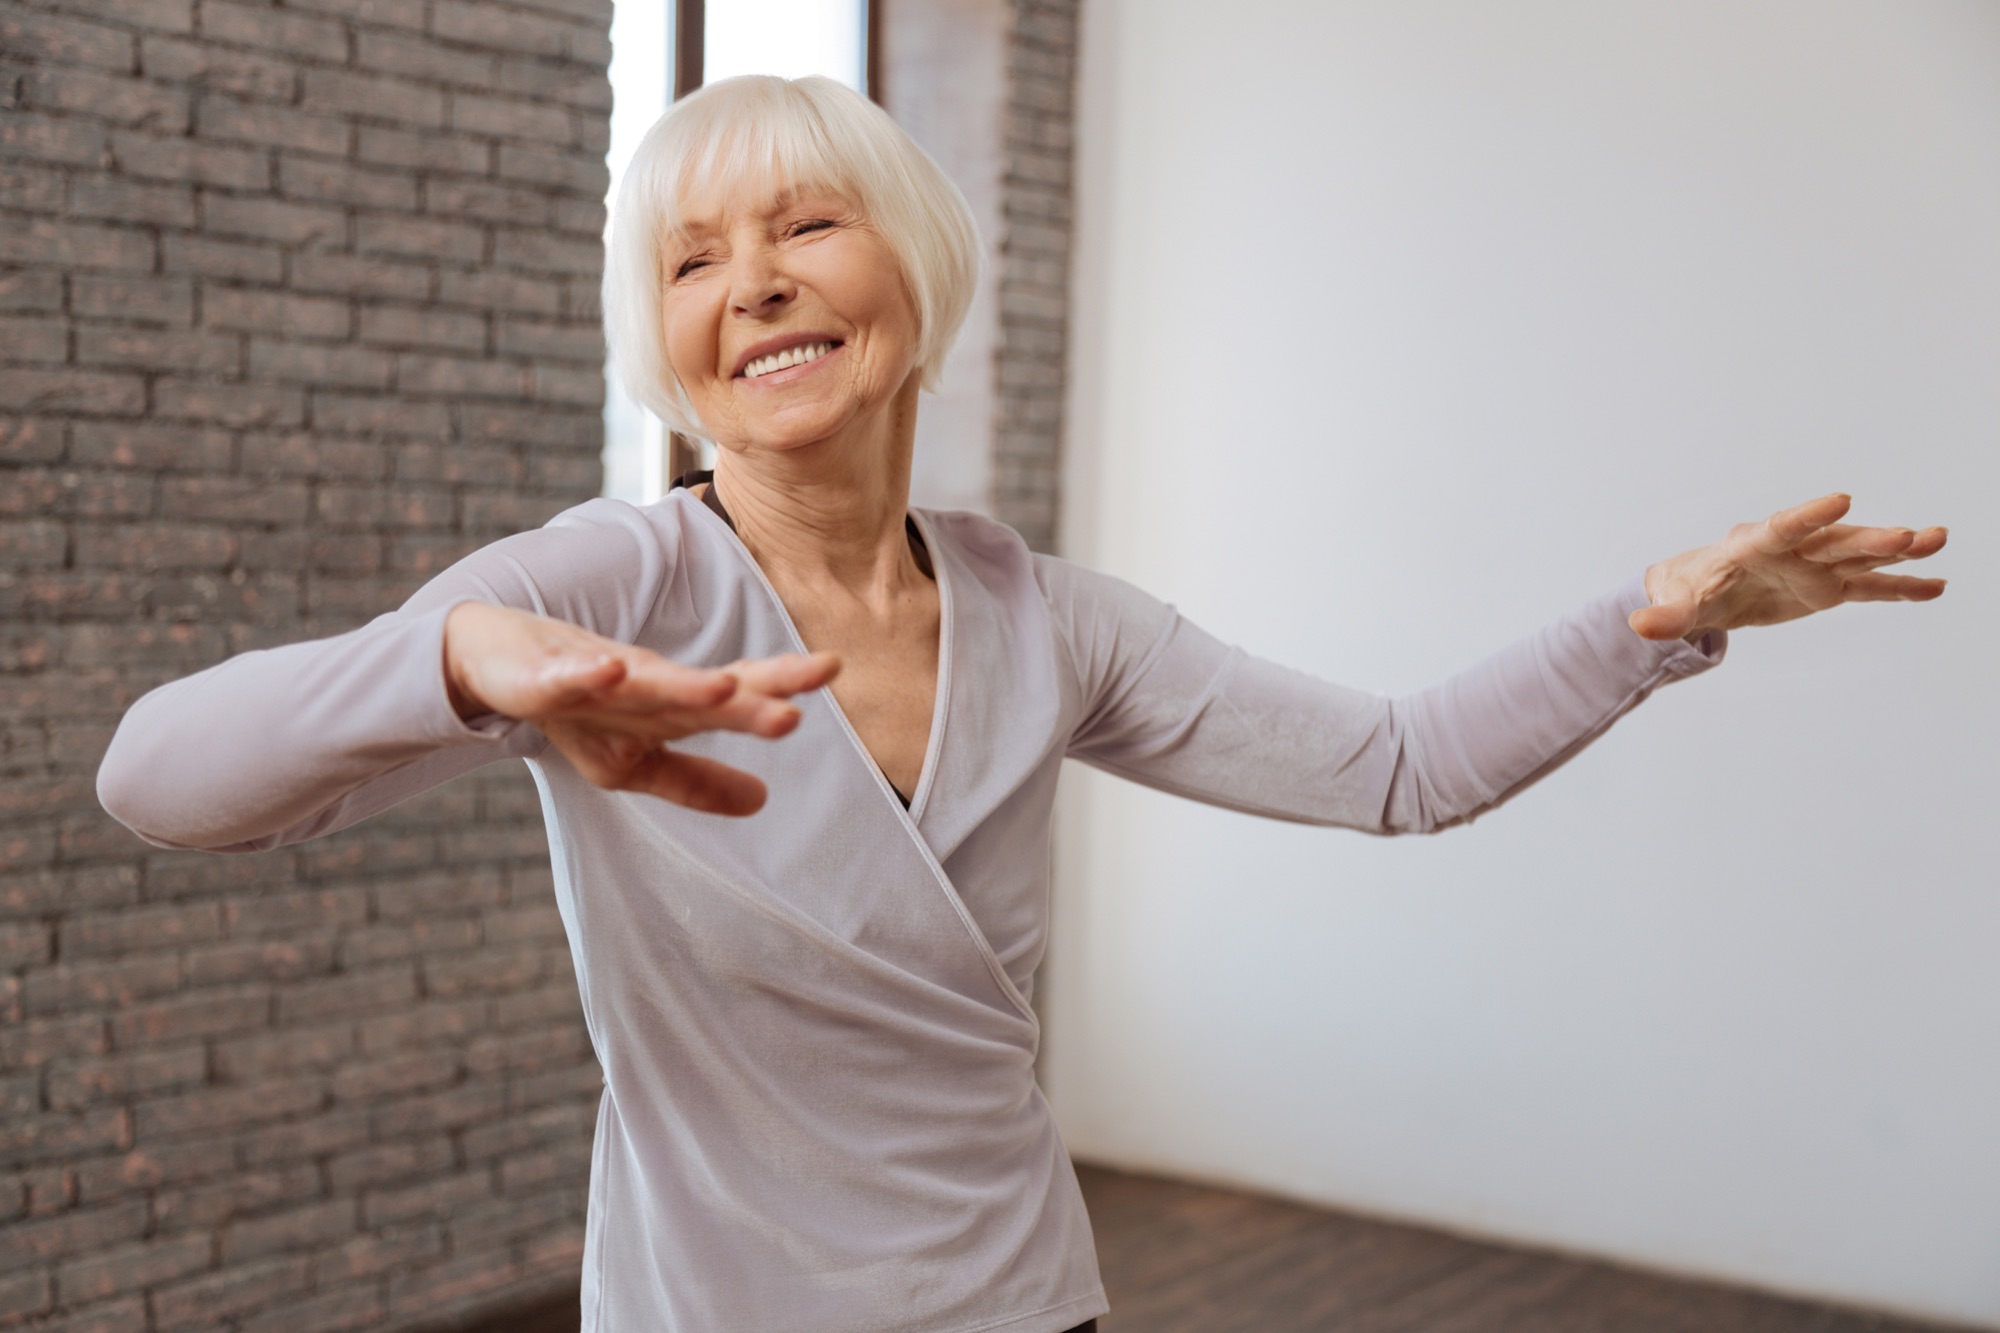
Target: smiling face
785,317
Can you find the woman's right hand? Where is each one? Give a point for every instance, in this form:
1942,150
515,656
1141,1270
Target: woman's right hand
612,708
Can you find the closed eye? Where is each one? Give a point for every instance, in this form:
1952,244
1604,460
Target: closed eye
810,224
690,264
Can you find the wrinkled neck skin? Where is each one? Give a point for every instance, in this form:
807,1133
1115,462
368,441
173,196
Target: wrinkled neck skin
830,515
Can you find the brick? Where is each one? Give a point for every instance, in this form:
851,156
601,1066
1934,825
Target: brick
191,161
486,971
262,123
585,216
151,1166
206,1205
157,349
424,238
35,289
51,139
308,912
434,1023
149,446
429,151
308,1227
274,30
122,982
39,892
559,384
25,944
381,944
358,1306
217,1109
24,1294
228,404
130,299
319,364
269,1055
337,182
217,67
258,960
282,220
458,377
487,289
467,1104
318,271
491,201
43,1138
380,416
585,175
455,1282
587,89
416,1071
74,245
125,1315
493,511
210,1012
211,258
426,553
373,97
114,197
311,454
76,1085
528,1052
26,35
538,339
74,493
392,13
389,1164
160,15
421,58
238,1289
372,990
274,312
509,118
140,928
27,338
401,326
555,1002
127,1268
302,1140
70,1233
432,1198
126,101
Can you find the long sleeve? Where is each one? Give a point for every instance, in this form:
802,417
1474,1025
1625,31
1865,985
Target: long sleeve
276,746
1170,706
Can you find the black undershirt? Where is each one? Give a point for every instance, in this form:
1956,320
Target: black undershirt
712,497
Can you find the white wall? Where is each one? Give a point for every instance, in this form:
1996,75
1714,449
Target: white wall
1402,328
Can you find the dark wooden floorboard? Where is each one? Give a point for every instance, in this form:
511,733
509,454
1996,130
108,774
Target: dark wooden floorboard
1182,1258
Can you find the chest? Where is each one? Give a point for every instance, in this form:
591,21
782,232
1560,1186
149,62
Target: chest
888,680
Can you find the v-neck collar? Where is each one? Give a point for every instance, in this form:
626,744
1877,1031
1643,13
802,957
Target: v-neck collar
924,545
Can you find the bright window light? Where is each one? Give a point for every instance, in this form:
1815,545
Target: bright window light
793,38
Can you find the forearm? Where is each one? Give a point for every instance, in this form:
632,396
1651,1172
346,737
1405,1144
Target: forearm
270,747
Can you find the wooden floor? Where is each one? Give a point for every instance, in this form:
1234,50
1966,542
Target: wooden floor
1186,1259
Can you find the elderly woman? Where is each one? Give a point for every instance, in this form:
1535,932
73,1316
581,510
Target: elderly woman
820,1109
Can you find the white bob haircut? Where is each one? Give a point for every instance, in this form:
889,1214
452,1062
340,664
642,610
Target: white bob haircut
760,131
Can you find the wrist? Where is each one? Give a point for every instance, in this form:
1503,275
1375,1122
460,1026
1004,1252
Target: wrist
464,700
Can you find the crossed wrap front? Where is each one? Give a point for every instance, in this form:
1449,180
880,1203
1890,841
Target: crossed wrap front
820,1111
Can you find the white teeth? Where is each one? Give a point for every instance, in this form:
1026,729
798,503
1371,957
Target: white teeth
791,356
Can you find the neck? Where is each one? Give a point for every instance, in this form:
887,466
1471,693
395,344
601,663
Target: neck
830,511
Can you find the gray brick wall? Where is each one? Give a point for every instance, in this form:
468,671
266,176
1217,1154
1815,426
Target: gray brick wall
1034,269
297,305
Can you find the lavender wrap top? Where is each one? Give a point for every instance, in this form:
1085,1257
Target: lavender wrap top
820,1112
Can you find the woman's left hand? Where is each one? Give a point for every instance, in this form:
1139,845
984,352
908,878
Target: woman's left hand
1794,563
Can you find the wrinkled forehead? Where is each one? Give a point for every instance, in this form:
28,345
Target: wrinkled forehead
748,168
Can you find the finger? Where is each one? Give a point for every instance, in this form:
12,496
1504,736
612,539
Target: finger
1890,588
651,682
793,673
571,679
1671,620
697,782
1842,541
1788,527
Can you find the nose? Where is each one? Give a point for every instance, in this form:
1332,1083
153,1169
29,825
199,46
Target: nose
758,284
